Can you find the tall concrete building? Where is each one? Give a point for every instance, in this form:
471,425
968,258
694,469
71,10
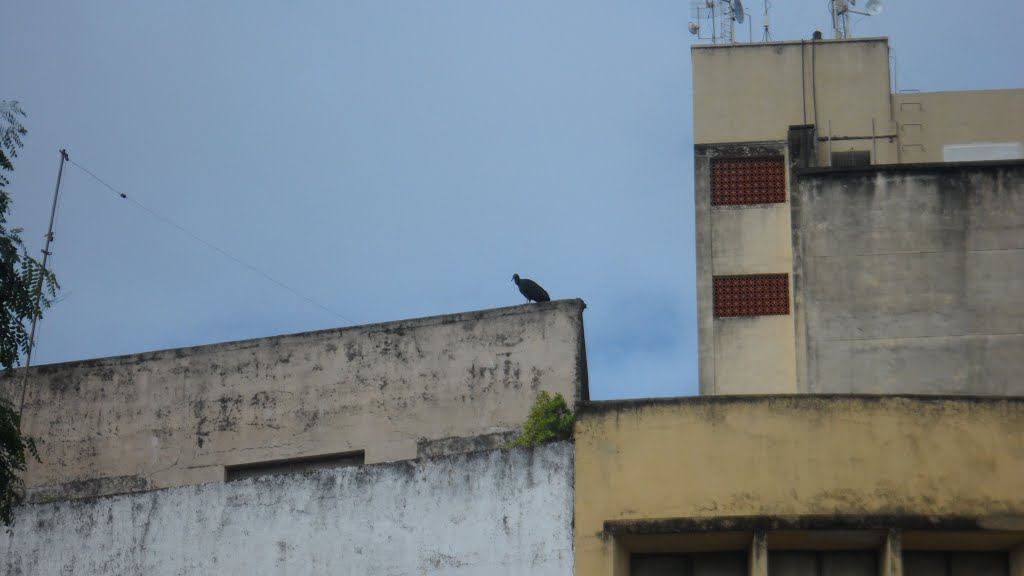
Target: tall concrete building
851,239
861,298
860,276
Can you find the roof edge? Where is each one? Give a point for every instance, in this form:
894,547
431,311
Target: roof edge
577,305
597,407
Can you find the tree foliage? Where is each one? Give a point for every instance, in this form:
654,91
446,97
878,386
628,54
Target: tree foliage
550,420
22,280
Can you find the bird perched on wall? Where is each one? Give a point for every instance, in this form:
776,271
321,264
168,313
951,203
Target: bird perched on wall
531,289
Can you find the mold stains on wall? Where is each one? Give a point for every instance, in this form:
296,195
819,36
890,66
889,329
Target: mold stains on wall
177,417
507,511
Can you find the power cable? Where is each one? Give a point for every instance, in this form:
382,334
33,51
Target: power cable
209,244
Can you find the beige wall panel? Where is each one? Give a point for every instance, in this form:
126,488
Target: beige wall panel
754,92
397,390
755,355
751,239
930,120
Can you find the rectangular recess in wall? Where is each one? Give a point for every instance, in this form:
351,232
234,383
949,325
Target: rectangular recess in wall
293,465
925,563
748,181
691,564
851,159
826,563
751,295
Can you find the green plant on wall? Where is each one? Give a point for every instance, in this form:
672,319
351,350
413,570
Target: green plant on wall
550,420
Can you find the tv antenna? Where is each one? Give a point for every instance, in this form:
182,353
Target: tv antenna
716,20
767,36
841,10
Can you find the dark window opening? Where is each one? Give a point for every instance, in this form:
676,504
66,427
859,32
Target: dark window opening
851,159
747,181
293,465
751,295
955,563
854,563
698,564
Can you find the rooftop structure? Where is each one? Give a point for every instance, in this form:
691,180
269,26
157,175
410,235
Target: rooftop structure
837,250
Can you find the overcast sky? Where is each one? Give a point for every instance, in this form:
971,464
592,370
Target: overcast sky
395,159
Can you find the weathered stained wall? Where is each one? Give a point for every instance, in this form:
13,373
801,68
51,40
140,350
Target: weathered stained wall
743,354
842,88
831,459
911,279
488,513
397,390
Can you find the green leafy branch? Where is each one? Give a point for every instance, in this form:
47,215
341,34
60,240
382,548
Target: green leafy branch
550,420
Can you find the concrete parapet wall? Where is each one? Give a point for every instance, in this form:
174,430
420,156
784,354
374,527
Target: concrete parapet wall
397,390
505,512
910,279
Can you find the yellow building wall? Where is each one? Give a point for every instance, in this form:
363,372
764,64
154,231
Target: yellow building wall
929,120
793,456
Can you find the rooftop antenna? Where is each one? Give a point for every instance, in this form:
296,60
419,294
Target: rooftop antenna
706,21
736,15
767,37
717,17
841,10
39,284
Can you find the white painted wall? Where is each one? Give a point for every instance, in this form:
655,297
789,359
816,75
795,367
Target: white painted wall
485,513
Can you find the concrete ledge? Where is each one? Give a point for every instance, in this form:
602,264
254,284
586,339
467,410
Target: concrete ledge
394,326
804,401
914,168
813,522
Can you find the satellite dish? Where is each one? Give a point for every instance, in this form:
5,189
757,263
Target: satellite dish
872,8
737,10
692,27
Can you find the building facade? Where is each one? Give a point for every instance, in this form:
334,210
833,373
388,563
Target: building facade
798,198
800,485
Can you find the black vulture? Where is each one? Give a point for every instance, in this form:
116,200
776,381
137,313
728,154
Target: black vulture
531,289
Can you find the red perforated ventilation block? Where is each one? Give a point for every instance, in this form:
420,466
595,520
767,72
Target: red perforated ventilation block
751,295
747,181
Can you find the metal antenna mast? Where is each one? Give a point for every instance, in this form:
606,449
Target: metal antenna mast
767,37
39,285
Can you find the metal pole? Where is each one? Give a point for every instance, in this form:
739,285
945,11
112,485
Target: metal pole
714,32
39,285
835,24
